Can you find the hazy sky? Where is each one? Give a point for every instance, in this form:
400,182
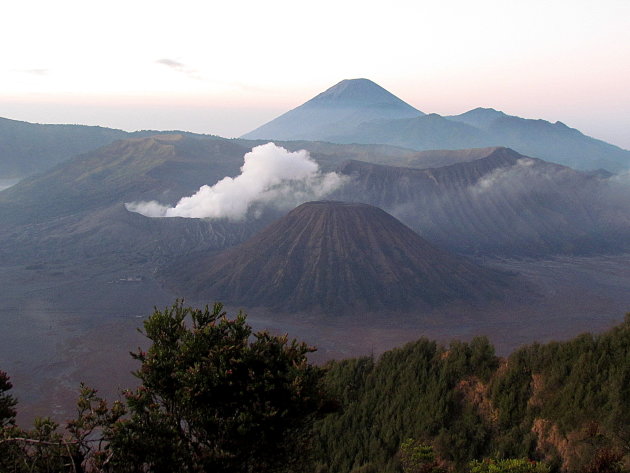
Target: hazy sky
227,67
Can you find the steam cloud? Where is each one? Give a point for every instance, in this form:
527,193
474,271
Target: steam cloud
604,199
270,176
514,180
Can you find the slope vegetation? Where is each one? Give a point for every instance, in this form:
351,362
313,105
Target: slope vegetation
564,403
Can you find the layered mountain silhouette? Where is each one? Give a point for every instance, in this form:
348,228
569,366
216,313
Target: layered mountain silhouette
76,210
554,142
32,148
360,122
336,110
164,167
484,202
355,111
336,256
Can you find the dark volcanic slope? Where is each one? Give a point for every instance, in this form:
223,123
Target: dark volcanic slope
335,256
75,211
502,204
160,167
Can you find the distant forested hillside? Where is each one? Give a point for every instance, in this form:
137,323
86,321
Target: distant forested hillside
567,404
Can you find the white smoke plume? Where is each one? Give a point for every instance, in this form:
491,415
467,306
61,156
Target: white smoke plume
270,175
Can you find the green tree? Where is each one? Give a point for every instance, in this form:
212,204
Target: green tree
47,449
216,397
416,457
507,465
7,401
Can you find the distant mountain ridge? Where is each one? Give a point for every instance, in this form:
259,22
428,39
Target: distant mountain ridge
320,119
501,203
31,148
28,148
550,141
355,111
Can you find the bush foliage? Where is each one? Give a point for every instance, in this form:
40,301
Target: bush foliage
214,396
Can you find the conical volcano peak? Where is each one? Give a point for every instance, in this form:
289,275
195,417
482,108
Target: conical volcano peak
358,92
336,111
336,256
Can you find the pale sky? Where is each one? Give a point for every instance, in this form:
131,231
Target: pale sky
227,67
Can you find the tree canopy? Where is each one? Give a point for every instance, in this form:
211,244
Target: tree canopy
213,396
216,397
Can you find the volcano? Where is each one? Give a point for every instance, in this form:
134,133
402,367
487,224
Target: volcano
339,257
337,110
